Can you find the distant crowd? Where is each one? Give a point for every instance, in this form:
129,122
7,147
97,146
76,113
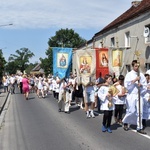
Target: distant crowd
108,94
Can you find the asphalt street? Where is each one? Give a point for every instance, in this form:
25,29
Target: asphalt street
36,124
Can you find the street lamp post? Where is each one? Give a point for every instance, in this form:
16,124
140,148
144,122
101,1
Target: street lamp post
2,25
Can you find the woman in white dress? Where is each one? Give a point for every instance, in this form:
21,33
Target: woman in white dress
40,87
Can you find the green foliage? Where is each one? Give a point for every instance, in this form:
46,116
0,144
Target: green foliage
63,38
11,67
20,60
66,38
47,63
2,63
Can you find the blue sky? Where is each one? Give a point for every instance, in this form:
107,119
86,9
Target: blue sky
34,22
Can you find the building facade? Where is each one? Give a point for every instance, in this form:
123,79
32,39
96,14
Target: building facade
126,36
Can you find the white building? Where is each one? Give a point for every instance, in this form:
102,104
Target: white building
126,35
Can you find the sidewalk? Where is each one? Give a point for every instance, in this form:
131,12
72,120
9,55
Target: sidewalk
3,97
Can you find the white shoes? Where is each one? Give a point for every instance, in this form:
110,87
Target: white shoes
93,116
90,114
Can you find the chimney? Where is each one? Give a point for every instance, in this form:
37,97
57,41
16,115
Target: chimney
136,3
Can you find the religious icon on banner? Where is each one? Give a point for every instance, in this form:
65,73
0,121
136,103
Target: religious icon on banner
117,58
85,64
62,60
103,58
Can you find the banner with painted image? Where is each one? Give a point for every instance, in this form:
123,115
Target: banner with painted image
117,58
85,65
62,58
102,62
103,58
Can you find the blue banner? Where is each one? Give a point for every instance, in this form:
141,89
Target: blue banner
62,58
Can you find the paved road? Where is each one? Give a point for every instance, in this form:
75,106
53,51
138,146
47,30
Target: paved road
36,125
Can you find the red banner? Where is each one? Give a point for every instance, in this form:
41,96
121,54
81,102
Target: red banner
102,61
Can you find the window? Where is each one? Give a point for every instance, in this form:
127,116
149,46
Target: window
128,67
112,42
127,39
147,33
147,66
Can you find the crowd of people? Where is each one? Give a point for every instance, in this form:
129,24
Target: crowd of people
109,94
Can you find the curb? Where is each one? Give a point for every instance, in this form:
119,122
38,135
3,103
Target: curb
5,108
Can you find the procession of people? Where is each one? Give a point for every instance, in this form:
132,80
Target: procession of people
108,95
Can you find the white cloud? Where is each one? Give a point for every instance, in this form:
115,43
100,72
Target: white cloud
79,14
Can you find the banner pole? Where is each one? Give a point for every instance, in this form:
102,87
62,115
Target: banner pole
137,53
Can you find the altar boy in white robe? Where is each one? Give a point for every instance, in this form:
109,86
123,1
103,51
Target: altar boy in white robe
146,105
133,81
107,104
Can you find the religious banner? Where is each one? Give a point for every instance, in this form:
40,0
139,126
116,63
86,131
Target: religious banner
103,58
84,64
102,62
117,58
62,58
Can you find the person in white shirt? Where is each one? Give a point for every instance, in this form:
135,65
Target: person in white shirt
68,91
89,99
45,86
40,88
107,103
61,95
146,105
5,83
119,99
54,86
12,80
136,84
71,86
50,78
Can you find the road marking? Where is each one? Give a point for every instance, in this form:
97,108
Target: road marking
145,135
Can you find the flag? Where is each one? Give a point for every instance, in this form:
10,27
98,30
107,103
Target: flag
84,64
102,62
62,58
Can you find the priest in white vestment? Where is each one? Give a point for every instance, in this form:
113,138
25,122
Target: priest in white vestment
133,82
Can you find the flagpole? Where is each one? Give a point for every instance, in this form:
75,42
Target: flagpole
137,53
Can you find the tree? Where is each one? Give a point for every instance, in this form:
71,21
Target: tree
11,67
2,63
47,63
66,38
63,38
21,59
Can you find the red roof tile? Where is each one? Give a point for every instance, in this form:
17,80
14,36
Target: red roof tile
131,13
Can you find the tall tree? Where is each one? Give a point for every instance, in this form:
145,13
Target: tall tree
63,38
21,58
66,38
2,63
47,63
11,67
